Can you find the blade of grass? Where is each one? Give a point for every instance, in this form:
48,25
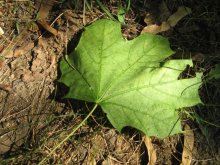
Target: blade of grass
129,5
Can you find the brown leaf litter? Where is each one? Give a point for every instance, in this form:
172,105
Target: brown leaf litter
181,12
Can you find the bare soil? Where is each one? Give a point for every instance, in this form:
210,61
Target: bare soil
33,116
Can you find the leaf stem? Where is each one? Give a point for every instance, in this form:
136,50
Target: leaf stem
69,135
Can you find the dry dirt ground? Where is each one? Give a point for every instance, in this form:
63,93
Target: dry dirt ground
33,116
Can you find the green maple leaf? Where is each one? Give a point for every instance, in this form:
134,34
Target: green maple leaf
129,79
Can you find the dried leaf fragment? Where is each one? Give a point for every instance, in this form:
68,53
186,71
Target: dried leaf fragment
171,22
155,29
43,13
44,8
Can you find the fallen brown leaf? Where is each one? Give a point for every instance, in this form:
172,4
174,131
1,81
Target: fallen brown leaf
171,22
44,8
155,29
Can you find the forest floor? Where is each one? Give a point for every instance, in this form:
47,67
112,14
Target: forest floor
34,118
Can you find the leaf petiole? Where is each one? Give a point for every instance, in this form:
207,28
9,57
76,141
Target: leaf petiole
69,135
